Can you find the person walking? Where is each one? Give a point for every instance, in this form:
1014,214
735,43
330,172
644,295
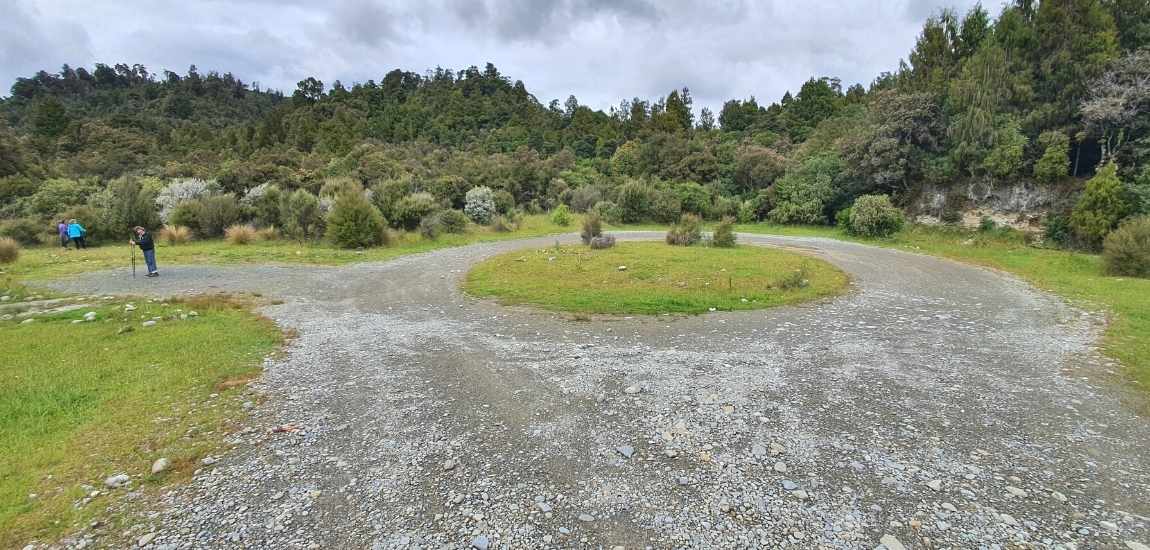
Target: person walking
62,231
148,247
76,232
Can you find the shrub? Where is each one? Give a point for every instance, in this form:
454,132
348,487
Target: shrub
561,216
694,198
687,232
269,233
187,214
1126,250
354,222
25,231
9,250
665,207
387,194
724,207
1057,230
430,227
335,187
843,218
800,195
724,236
794,279
265,203
635,200
608,212
504,201
747,212
175,234
183,190
301,215
479,204
592,227
874,216
126,203
987,224
584,198
411,210
57,194
507,223
1100,207
1055,161
240,234
453,221
601,242
218,213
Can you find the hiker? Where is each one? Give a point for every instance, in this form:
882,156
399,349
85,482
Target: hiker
148,247
76,232
62,231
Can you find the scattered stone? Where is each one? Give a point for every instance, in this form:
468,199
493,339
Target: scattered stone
148,323
891,543
949,507
146,540
622,268
631,390
1058,496
543,507
449,465
90,316
1016,492
625,450
780,467
758,451
1108,525
125,329
160,465
789,485
129,307
117,481
1136,545
586,517
480,542
935,485
1008,519
27,321
800,494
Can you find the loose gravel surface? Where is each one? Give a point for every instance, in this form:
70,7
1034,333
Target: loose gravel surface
934,406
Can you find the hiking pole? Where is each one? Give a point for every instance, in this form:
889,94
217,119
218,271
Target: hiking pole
132,249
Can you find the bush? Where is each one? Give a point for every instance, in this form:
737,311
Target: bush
665,207
794,279
561,216
430,227
301,215
175,234
747,212
479,204
724,236
1100,207
801,195
843,219
1055,161
1126,251
987,224
724,207
240,234
25,231
268,234
687,232
9,250
265,202
504,201
219,212
608,212
592,227
187,214
874,216
602,242
635,200
183,190
507,223
1057,230
411,210
453,221
354,222
584,198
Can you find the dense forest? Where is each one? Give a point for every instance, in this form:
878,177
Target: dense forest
1052,94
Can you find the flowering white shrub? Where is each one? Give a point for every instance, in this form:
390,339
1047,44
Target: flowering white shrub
479,204
181,190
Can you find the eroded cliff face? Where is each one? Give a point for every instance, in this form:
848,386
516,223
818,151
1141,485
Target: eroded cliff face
1022,205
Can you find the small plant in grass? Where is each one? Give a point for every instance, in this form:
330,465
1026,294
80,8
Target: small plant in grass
592,227
796,279
874,216
1126,250
561,216
9,250
987,224
724,236
240,234
602,241
176,234
687,232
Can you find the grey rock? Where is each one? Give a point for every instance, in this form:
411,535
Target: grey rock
145,540
480,542
625,450
117,481
780,467
148,323
160,465
586,517
935,485
891,543
789,485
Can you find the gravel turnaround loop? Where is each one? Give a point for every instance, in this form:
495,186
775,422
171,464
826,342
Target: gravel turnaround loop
935,405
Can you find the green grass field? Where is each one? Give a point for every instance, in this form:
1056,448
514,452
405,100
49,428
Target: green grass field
1075,276
658,278
81,402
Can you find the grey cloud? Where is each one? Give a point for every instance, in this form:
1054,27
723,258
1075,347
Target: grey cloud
30,42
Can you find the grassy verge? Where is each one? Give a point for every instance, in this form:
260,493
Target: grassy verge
1072,275
83,401
48,262
657,278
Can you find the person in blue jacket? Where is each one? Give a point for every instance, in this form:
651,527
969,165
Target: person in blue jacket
76,232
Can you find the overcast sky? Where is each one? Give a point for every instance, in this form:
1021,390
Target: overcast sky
600,50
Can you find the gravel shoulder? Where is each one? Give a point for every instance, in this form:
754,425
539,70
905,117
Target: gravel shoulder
936,405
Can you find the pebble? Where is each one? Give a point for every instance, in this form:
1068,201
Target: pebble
586,517
789,485
90,316
1108,525
117,481
448,465
935,485
631,390
1058,496
780,467
160,465
891,543
1132,545
146,540
1016,492
625,450
148,323
480,542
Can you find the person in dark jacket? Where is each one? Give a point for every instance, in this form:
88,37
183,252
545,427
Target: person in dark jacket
148,247
62,231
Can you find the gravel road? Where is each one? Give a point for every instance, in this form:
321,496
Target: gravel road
936,405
